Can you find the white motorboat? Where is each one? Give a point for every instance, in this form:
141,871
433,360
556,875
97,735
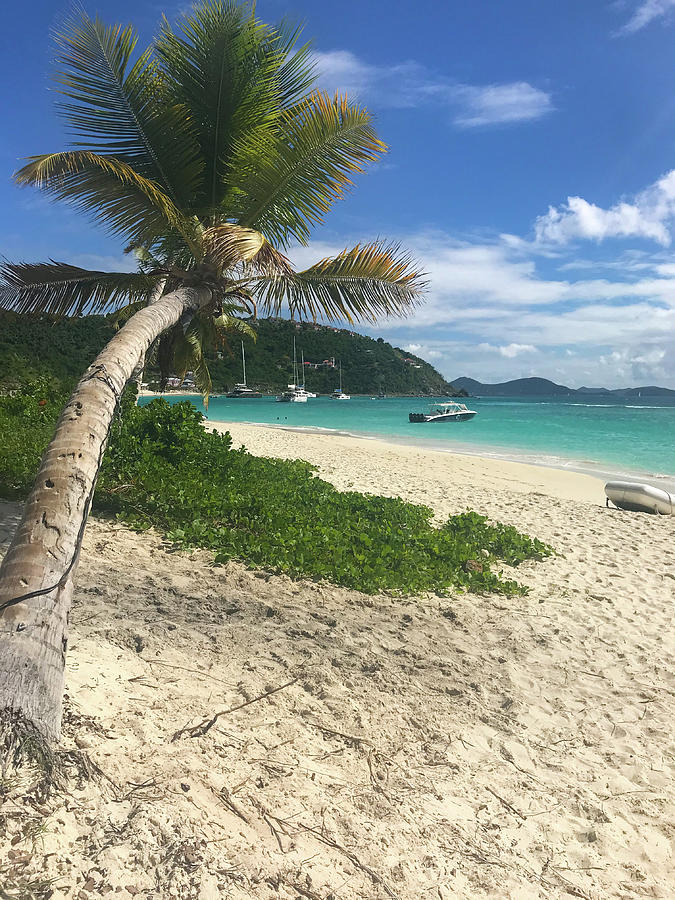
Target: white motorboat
444,412
338,393
640,497
243,391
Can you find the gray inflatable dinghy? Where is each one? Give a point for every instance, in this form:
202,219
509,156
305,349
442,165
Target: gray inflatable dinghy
640,497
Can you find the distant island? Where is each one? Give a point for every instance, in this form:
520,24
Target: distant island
542,387
42,345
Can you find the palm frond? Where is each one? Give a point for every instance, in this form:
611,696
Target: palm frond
228,325
286,183
118,196
121,109
270,261
297,74
64,290
188,355
229,245
363,283
221,65
185,349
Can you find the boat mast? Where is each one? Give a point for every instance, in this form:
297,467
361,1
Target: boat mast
295,364
243,362
340,376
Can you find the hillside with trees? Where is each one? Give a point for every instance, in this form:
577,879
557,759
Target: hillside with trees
368,365
41,345
32,346
542,387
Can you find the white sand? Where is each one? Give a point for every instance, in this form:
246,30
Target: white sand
431,747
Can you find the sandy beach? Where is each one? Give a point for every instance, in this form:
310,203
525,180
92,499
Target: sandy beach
432,747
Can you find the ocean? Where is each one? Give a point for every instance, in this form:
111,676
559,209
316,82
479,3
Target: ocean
618,439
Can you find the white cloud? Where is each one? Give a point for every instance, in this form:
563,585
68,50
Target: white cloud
509,351
409,84
646,12
500,103
500,309
513,350
424,351
648,216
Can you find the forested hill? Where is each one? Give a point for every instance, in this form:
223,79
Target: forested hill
542,387
368,365
32,346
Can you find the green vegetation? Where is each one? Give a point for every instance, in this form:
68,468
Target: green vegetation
33,345
368,365
27,421
163,469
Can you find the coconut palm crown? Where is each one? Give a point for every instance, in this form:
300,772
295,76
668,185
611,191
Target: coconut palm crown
209,154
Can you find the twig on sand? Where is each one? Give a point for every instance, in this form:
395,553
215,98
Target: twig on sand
272,822
225,798
505,803
159,662
353,858
207,724
303,891
349,738
570,886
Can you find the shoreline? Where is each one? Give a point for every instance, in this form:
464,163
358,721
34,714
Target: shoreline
326,449
601,471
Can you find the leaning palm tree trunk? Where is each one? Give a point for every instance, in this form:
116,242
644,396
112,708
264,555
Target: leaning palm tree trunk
137,374
36,576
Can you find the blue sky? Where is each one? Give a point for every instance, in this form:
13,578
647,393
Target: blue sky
532,171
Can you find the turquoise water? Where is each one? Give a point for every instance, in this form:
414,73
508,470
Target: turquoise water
613,438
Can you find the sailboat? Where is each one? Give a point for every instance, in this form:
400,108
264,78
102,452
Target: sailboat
310,394
296,393
243,391
338,393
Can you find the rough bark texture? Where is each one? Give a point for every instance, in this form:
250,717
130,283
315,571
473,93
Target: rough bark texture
137,374
36,576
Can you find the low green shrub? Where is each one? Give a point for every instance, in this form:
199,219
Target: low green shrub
27,420
163,469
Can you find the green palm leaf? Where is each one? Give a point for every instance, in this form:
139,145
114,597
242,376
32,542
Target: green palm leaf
298,73
186,348
188,354
124,111
221,66
367,281
64,290
122,199
287,183
206,155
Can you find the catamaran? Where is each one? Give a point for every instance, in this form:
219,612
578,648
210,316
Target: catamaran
296,393
242,391
338,393
301,387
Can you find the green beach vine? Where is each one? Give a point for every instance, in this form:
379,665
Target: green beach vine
164,470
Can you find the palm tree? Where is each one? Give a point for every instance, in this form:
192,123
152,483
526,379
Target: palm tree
210,155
